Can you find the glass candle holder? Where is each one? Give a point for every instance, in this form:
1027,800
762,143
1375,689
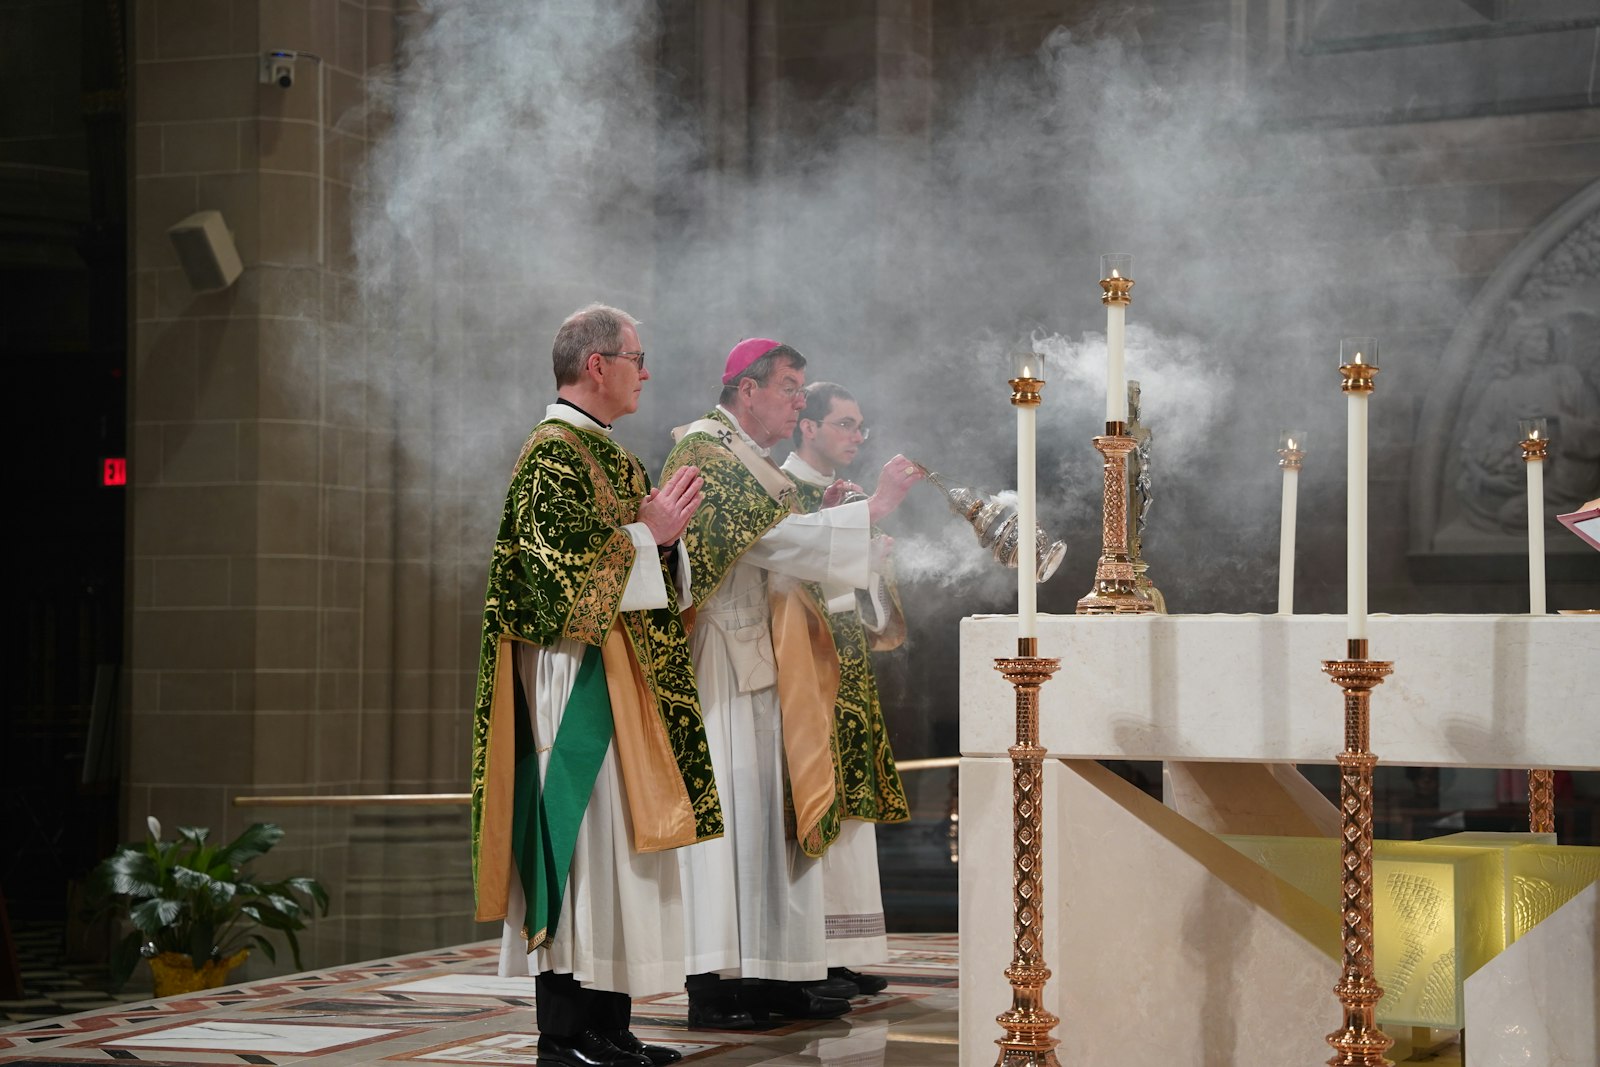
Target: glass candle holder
1027,363
1116,265
1358,351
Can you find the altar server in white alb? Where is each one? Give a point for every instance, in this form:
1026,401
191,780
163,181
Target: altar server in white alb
768,677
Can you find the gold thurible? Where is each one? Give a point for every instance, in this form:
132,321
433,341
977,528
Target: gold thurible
1359,1042
1029,1038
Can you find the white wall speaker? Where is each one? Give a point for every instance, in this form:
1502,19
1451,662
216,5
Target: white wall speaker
206,251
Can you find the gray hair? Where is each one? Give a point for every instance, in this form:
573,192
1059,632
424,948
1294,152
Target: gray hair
596,328
761,370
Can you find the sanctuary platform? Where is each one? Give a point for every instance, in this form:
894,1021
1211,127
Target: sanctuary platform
448,1006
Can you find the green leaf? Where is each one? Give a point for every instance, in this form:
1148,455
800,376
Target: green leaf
266,947
294,949
153,915
256,839
311,888
195,835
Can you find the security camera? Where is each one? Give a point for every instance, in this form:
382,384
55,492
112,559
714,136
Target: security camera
277,68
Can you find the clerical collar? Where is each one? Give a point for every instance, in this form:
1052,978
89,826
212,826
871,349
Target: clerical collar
585,414
798,467
738,429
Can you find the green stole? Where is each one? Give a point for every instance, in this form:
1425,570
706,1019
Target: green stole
545,820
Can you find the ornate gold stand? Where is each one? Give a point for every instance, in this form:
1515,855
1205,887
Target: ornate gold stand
1116,589
1028,1027
1359,1043
1542,801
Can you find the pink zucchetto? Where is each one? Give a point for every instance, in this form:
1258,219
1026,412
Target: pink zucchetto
745,353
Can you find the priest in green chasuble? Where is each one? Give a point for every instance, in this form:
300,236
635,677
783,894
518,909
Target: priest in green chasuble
827,438
589,762
768,677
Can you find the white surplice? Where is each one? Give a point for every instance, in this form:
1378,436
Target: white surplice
851,890
753,902
621,924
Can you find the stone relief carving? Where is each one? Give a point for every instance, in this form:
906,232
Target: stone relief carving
1537,352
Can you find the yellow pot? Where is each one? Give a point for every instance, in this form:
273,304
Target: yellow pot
175,972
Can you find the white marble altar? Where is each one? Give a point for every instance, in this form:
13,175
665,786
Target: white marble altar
1144,922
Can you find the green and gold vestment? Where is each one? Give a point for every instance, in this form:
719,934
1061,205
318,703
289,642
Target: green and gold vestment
738,511
560,564
869,785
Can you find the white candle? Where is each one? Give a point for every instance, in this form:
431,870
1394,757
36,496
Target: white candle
1116,385
1355,533
1027,523
1291,486
1536,603
1027,372
1116,282
1535,446
1362,352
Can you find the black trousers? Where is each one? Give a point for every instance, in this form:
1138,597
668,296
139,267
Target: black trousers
564,1008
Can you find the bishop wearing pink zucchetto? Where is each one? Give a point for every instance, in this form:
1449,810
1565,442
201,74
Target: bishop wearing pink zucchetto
767,673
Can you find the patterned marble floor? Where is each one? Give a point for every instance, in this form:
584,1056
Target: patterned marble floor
448,1006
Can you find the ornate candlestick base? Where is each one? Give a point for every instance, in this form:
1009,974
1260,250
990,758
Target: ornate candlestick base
1116,589
1359,1043
1542,801
1028,1027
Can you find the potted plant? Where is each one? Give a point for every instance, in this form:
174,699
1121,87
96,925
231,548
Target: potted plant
196,908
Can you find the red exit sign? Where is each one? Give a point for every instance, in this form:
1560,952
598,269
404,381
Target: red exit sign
114,471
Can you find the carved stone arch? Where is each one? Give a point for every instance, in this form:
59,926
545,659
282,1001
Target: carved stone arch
1530,337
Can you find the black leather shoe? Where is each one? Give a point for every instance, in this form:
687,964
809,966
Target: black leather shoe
837,988
586,1049
719,1014
656,1054
868,984
797,1002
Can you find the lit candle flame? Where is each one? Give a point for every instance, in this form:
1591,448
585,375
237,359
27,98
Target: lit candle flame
1115,273
1292,446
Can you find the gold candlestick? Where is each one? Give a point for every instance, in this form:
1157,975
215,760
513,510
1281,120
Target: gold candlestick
1359,1043
1028,1026
1535,446
1116,590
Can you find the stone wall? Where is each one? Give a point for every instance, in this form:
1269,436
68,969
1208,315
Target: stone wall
284,637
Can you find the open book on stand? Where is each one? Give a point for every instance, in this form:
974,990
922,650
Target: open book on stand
1585,522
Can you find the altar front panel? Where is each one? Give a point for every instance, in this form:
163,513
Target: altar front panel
1467,690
